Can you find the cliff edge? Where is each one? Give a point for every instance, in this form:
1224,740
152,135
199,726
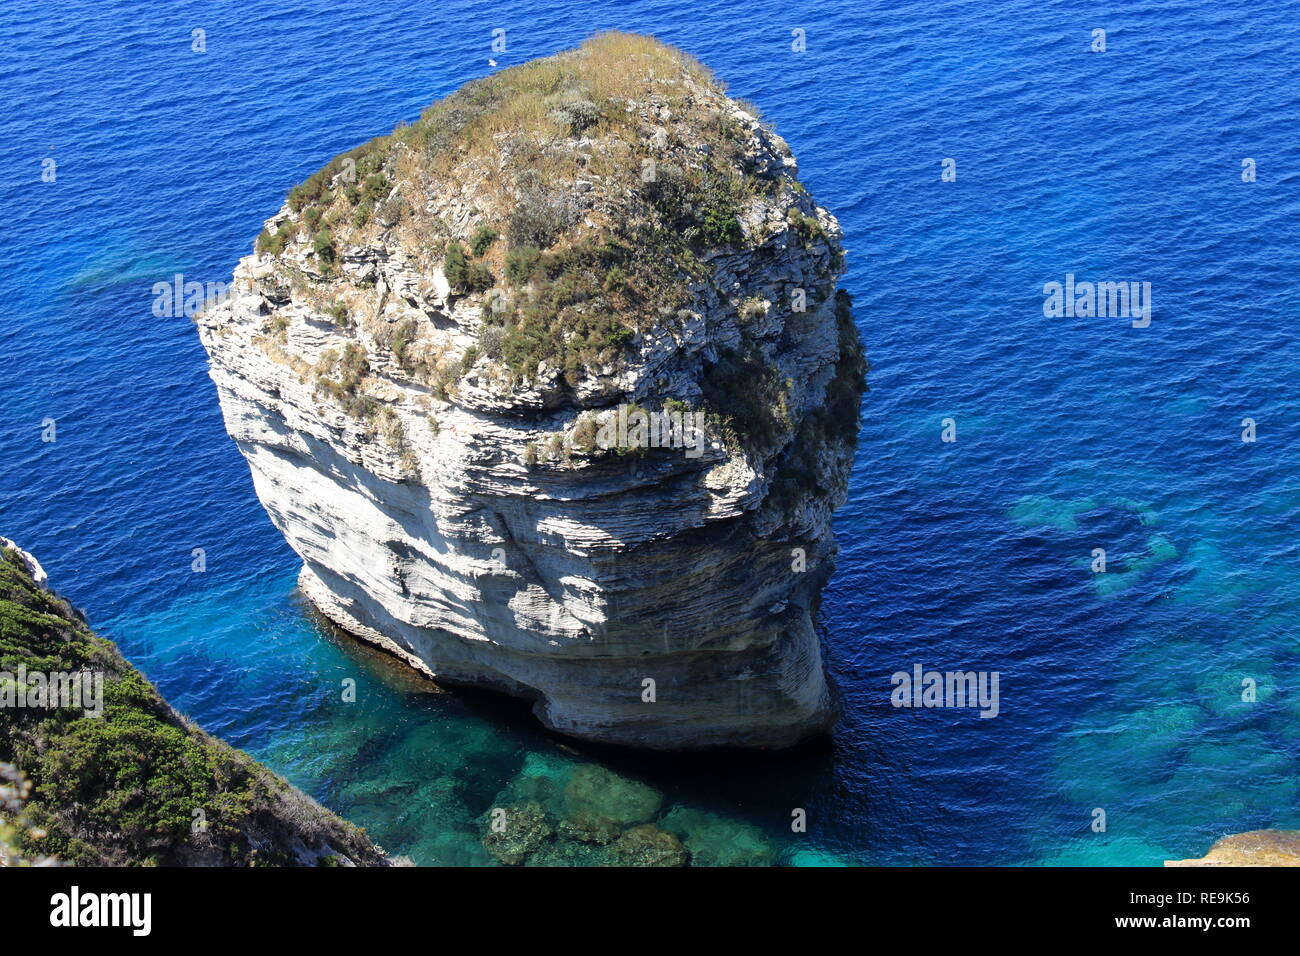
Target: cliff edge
96,769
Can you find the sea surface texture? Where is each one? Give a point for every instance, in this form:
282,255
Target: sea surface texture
1127,692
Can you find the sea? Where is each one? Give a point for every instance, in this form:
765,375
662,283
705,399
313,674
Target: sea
974,154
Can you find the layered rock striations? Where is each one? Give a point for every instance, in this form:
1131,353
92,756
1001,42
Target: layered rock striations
466,363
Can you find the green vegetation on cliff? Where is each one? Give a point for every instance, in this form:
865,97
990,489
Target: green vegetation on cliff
139,784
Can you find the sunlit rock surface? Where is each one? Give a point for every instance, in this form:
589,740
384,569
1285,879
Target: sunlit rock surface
1255,848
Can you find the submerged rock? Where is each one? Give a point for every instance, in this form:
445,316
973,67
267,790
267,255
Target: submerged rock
594,794
556,812
586,828
647,845
553,392
568,853
542,779
515,832
713,840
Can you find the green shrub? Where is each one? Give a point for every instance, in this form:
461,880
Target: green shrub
323,245
361,406
484,236
719,226
479,277
393,210
369,158
615,279
269,243
299,197
749,396
703,207
576,115
274,243
455,267
521,263
571,315
442,378
355,364
403,336
584,433
669,193
465,275
540,216
444,123
807,228
377,186
340,377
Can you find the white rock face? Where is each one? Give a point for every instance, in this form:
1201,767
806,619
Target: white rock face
38,573
651,599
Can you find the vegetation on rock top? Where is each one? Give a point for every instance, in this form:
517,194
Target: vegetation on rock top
580,202
576,279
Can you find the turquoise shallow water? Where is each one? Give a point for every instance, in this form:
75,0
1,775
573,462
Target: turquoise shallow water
1119,691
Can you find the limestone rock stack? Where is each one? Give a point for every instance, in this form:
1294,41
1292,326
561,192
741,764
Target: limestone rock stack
553,392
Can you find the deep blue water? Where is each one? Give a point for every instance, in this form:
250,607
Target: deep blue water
1119,691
